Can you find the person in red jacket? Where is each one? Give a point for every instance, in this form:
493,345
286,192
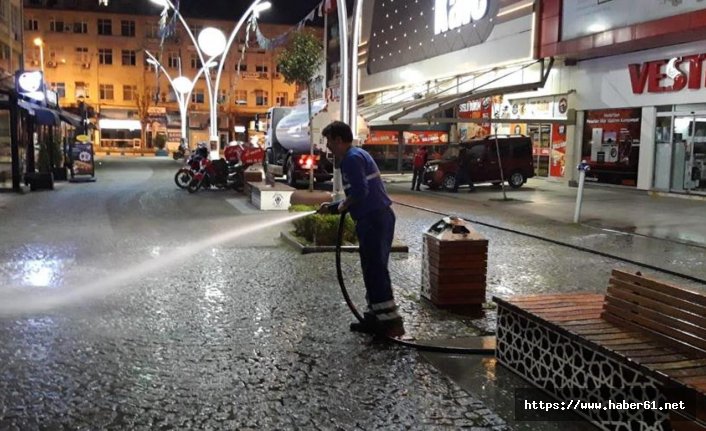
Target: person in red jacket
420,160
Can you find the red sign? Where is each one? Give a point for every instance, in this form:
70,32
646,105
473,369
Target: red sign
425,138
649,76
382,137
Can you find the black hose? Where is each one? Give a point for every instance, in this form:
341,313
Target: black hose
419,346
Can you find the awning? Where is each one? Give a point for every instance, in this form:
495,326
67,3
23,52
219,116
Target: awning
43,116
69,118
432,109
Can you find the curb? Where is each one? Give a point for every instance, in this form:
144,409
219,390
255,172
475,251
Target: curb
308,249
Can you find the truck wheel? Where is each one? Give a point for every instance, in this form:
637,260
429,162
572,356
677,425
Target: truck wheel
291,179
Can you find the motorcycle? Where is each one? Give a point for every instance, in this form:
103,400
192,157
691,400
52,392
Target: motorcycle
228,172
180,153
192,165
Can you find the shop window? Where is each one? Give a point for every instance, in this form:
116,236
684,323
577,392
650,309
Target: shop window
105,56
129,58
105,27
665,108
106,92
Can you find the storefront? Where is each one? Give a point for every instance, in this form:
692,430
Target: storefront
643,118
394,150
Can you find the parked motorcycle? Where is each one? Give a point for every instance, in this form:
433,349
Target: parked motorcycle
180,153
192,165
228,172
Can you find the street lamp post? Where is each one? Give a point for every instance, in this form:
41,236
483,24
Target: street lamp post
211,41
40,43
183,87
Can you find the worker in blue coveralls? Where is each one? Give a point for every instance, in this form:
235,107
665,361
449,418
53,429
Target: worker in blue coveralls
369,206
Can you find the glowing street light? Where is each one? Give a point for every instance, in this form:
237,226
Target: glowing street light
40,43
212,41
182,85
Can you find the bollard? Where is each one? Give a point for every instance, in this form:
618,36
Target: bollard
583,168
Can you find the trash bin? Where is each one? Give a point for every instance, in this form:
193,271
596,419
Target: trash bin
455,262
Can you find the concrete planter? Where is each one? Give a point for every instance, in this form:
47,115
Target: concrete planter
289,238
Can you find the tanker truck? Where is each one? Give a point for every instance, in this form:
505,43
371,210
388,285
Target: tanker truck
287,144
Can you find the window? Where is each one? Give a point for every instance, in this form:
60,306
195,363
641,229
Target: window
60,89
261,98
82,55
173,60
281,99
81,27
261,68
106,91
195,62
127,28
242,67
81,89
56,26
129,57
153,30
105,56
241,97
129,92
197,96
3,10
222,96
105,27
32,25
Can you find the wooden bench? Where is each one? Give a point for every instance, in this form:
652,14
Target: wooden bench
644,337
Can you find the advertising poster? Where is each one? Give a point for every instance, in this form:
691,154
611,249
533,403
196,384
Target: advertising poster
475,110
81,154
557,162
611,144
382,137
425,138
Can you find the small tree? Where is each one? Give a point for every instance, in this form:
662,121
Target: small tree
299,64
143,102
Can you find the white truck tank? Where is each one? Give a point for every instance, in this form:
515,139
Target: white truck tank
292,132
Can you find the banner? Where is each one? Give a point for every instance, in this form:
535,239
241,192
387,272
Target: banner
425,138
557,162
382,137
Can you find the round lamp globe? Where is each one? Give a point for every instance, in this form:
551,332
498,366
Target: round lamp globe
182,84
212,41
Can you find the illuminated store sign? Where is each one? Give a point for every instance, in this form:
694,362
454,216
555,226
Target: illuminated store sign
407,32
452,14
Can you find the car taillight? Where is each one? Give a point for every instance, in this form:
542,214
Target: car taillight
308,161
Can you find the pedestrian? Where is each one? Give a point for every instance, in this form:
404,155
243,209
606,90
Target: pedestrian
420,160
463,175
369,206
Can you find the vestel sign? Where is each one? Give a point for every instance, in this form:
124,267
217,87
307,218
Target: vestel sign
649,76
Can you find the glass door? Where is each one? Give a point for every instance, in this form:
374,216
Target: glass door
663,153
689,154
541,148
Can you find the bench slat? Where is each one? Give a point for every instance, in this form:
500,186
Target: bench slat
582,297
647,360
693,363
614,336
663,323
661,336
660,286
661,307
688,372
660,297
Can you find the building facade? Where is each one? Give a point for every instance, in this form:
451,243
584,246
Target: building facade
10,61
96,54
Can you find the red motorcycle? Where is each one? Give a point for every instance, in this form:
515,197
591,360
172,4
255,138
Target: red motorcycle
192,165
228,172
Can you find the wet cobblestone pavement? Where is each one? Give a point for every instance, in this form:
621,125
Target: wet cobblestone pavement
128,304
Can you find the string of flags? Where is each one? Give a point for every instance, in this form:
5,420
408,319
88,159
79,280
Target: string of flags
281,40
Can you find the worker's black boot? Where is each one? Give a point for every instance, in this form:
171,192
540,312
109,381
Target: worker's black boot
369,324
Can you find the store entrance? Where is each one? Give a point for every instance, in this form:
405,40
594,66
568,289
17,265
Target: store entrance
689,154
541,135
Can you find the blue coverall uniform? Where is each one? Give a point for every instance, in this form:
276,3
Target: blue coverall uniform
375,226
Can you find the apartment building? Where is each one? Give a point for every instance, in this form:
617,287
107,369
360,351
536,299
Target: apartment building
96,53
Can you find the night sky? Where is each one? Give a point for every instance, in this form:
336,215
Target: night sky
282,12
